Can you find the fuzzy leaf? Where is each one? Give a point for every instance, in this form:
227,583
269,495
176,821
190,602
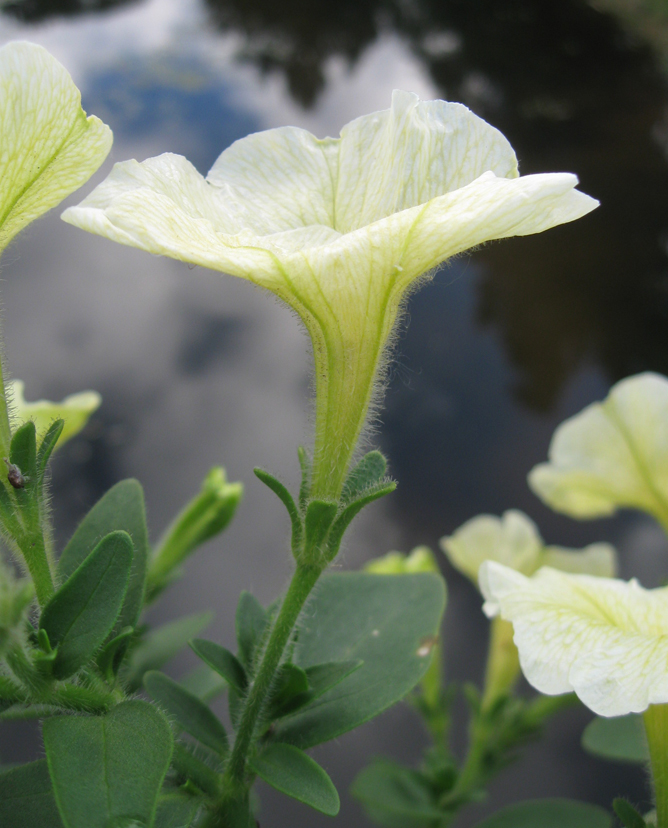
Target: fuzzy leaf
222,661
621,738
26,798
549,813
367,474
251,622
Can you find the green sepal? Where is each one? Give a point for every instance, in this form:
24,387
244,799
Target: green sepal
251,622
621,738
222,661
108,770
193,715
84,610
627,814
26,798
369,473
23,451
110,657
47,446
121,508
160,645
396,796
288,501
290,691
549,813
319,517
292,772
350,512
305,465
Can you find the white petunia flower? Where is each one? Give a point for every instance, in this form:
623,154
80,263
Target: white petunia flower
613,454
605,639
514,540
48,147
339,229
74,410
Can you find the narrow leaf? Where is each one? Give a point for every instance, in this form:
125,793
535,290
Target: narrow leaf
191,714
161,645
350,512
322,677
121,508
108,770
26,798
368,473
23,450
47,446
204,683
621,738
111,655
290,691
627,814
549,813
251,622
222,661
82,613
287,500
292,772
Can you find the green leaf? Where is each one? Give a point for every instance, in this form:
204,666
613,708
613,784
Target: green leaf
290,690
191,714
251,622
110,658
627,814
549,813
177,810
621,738
23,451
292,772
367,474
161,645
122,507
26,798
47,446
322,677
108,770
222,661
396,796
287,500
82,613
306,466
204,683
380,620
350,512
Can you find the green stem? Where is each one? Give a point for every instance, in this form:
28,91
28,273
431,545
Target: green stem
5,430
302,583
503,662
656,727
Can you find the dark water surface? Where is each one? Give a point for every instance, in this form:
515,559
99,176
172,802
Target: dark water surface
196,368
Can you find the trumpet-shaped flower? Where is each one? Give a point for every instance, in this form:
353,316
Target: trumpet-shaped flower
605,639
613,454
48,147
514,540
74,410
339,229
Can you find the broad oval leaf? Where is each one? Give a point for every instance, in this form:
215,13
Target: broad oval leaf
193,715
549,813
122,507
379,619
26,798
621,738
82,613
292,772
108,770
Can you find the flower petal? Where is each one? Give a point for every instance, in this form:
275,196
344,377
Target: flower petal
598,559
605,639
49,147
613,454
75,410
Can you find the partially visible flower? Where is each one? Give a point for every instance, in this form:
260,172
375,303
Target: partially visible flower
49,147
339,229
605,639
421,559
613,454
74,410
514,540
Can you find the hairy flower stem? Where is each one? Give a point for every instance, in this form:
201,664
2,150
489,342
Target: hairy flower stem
656,727
302,583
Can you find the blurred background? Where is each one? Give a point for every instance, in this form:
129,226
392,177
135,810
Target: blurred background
198,369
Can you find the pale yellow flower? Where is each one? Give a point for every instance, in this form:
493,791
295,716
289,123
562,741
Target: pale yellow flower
74,410
48,147
605,639
339,229
420,559
613,454
514,540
